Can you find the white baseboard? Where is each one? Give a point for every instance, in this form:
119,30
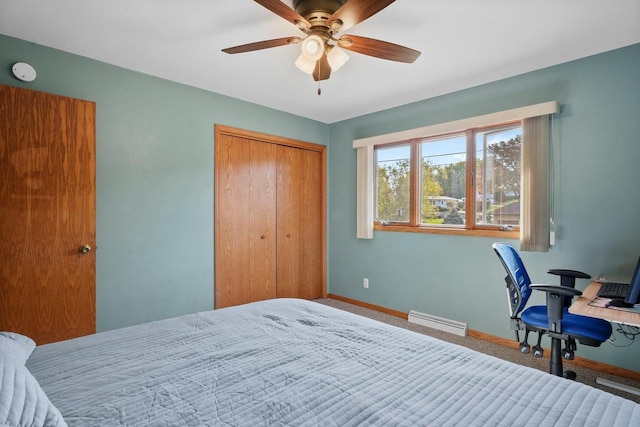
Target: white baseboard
439,323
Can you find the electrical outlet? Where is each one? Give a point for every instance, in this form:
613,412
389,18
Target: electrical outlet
365,283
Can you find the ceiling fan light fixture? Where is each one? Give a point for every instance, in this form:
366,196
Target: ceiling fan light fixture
313,47
337,58
305,65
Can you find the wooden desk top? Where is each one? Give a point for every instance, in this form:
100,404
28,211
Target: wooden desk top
581,306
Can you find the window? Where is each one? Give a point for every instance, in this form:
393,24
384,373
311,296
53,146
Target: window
497,172
393,183
461,181
488,207
443,180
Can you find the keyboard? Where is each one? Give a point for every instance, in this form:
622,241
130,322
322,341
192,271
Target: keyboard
614,290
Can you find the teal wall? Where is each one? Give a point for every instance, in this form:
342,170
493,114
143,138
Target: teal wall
155,189
154,178
596,199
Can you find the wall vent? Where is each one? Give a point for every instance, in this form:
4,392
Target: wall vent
440,323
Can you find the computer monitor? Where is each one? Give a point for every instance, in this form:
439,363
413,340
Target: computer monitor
633,297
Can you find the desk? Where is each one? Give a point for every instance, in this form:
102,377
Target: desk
581,306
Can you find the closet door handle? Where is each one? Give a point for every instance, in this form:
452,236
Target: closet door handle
288,234
263,237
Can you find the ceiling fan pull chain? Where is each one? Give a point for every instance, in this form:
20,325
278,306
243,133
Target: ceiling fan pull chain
319,68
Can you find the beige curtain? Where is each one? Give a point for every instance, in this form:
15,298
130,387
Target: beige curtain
534,197
364,193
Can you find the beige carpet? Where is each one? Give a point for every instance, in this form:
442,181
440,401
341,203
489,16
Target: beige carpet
585,375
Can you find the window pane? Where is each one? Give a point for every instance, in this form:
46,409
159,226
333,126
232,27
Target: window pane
393,183
498,177
443,180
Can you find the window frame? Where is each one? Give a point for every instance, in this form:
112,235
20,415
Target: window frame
470,228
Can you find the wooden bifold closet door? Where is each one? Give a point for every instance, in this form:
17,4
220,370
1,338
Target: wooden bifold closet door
299,211
269,218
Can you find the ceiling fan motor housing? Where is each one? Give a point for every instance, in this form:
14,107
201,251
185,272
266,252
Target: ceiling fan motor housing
314,10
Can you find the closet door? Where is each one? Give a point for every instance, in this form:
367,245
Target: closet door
300,219
245,220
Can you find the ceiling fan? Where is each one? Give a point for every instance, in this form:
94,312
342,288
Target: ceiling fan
321,20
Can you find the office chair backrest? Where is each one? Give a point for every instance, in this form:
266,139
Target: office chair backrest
518,281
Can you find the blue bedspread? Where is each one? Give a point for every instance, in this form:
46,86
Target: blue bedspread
290,362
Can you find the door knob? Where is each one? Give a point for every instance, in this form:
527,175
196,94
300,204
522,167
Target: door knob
85,249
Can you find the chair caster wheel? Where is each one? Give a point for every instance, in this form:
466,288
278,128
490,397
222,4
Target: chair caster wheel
570,375
525,348
538,351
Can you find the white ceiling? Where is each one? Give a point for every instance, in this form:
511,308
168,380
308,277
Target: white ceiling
464,43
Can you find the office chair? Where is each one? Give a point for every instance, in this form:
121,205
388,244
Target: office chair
553,319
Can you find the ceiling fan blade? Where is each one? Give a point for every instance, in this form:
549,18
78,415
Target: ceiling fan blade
265,44
284,11
378,48
323,69
356,11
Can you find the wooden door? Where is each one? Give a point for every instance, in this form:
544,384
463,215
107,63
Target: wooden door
300,223
47,214
245,220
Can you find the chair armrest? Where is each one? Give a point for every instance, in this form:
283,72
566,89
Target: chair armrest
570,273
555,303
568,279
557,289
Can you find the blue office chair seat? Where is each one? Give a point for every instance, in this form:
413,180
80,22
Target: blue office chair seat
553,319
587,330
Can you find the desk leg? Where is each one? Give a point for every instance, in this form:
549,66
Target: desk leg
618,386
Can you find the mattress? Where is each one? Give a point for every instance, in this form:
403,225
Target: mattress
289,362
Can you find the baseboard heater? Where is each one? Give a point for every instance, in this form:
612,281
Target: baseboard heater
439,323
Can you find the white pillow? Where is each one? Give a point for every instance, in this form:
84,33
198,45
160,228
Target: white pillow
22,400
17,346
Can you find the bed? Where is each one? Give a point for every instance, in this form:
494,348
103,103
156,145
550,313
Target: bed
293,362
